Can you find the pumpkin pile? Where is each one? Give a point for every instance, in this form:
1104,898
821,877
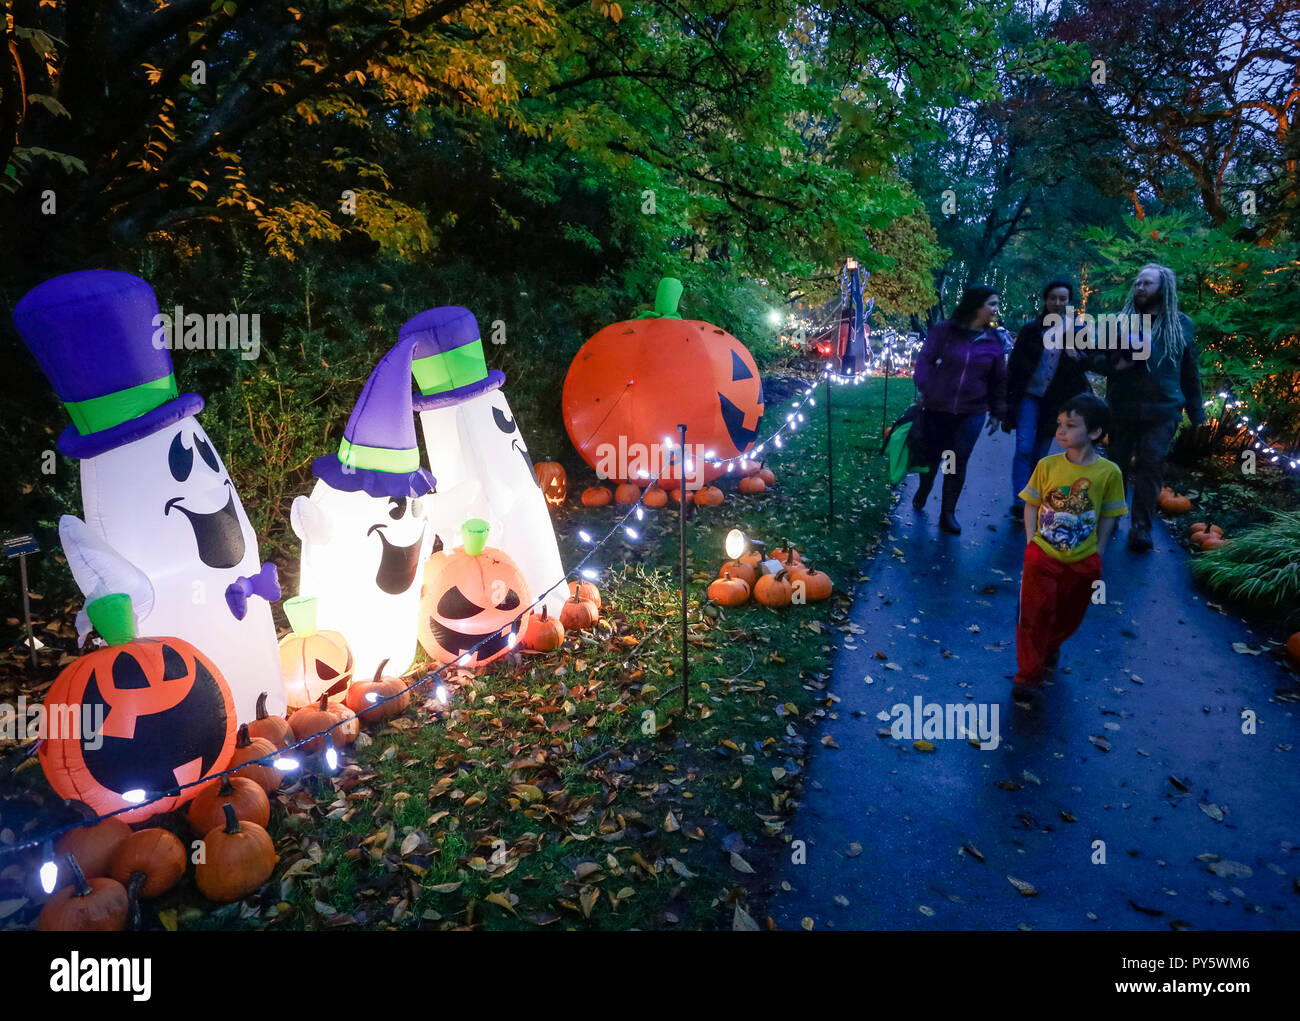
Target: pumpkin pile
795,581
1205,536
1172,503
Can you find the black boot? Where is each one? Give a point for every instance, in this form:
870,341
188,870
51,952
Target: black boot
923,490
947,517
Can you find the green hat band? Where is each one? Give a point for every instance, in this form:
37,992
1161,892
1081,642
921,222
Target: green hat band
458,367
100,413
380,459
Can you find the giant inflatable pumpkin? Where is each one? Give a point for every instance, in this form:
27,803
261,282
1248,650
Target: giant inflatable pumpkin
168,718
633,382
471,594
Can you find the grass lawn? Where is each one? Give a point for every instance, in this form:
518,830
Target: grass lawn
571,789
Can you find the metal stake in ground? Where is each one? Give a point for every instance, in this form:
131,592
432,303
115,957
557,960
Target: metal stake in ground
681,470
19,546
830,460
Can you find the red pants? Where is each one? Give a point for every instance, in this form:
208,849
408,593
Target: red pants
1054,596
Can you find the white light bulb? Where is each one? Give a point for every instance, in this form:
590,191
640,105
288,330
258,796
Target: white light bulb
464,660
729,467
331,755
631,532
735,544
49,871
134,796
285,764
582,534
777,438
512,640
812,401
590,573
372,697
440,693
640,514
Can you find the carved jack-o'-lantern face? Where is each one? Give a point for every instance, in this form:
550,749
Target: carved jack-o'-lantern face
469,595
167,719
554,482
633,382
312,662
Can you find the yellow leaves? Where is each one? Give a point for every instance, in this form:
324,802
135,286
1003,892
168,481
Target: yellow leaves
528,792
588,896
609,10
671,824
507,901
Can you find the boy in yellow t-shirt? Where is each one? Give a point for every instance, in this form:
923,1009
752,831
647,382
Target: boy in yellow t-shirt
1072,504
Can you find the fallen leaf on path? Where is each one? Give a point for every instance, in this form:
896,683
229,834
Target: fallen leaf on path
1026,889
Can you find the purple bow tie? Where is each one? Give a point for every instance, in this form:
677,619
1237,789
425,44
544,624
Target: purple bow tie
265,583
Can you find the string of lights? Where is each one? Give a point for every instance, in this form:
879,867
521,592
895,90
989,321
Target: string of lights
1230,404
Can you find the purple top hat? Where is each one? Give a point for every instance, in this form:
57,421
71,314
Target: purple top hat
449,365
378,453
95,336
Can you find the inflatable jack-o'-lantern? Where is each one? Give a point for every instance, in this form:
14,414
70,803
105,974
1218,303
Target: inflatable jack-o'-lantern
474,594
632,383
314,662
150,714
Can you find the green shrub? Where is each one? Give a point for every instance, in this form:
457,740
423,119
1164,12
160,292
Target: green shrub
1260,567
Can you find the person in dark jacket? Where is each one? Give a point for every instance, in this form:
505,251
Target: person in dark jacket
962,376
1149,387
1041,375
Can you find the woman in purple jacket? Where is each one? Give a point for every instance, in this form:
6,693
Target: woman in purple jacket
962,377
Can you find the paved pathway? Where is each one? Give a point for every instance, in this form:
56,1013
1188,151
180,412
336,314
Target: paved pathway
1152,675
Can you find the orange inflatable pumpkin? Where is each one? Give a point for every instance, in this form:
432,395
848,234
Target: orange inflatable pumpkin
474,593
312,662
160,710
632,383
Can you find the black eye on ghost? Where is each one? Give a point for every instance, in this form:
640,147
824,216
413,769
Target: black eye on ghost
397,506
180,458
503,420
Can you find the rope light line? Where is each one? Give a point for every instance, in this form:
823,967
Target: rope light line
282,761
1230,403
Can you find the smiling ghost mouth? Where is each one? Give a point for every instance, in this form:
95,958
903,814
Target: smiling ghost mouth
397,564
219,538
532,474
457,642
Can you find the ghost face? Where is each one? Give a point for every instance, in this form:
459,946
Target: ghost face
494,427
167,501
398,560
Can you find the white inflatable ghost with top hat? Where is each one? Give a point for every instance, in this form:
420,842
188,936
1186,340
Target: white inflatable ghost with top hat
158,501
363,528
476,450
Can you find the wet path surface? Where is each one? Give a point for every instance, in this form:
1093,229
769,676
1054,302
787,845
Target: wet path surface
894,836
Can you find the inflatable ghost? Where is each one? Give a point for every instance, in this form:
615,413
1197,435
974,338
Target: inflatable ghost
477,452
363,529
156,496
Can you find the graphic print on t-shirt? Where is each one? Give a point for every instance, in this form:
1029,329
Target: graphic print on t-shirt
1066,517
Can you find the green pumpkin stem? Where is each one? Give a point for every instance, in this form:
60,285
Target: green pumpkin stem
301,611
232,820
113,618
474,534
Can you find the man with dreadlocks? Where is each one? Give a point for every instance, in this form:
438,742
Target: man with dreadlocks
1148,395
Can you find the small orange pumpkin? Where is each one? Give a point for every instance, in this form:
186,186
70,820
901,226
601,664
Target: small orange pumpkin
250,801
1172,503
1211,541
729,591
595,496
745,572
585,590
553,480
312,662
1293,650
815,585
774,590
782,555
544,633
748,468
654,497
579,614
627,492
768,476
752,484
239,857
275,729
315,719
378,699
1215,530
149,862
92,846
708,496
88,905
248,748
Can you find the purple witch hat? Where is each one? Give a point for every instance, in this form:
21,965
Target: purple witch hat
96,336
449,364
378,454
